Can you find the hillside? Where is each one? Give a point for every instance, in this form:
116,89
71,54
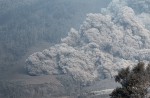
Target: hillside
81,64
27,26
117,37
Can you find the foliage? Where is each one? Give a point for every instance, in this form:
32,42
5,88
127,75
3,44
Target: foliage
134,82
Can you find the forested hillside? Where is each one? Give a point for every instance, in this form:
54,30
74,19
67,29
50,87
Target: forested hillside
26,23
117,37
39,59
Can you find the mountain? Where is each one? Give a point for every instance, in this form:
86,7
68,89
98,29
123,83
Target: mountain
27,26
117,37
82,63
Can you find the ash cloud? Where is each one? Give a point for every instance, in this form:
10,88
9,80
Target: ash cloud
117,37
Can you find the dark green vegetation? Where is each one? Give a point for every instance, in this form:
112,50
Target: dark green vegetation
25,24
135,82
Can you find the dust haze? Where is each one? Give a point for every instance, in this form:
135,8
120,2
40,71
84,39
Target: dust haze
69,49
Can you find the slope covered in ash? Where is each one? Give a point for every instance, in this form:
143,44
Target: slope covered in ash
117,37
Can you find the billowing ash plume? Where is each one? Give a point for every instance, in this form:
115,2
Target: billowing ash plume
115,38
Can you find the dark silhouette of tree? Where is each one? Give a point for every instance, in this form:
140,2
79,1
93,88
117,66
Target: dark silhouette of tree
134,82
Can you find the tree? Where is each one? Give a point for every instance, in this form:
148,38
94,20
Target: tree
134,82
